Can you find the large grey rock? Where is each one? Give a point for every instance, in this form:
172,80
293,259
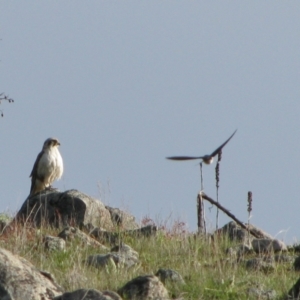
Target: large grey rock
19,279
122,219
263,264
115,238
144,288
62,209
54,243
112,260
84,294
70,233
266,245
107,261
236,232
130,256
282,258
258,293
169,275
239,251
104,236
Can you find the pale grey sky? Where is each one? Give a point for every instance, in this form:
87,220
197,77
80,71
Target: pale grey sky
123,84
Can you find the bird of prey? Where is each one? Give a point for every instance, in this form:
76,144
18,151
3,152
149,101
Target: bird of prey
48,167
207,159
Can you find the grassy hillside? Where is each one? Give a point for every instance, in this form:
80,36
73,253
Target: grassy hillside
209,272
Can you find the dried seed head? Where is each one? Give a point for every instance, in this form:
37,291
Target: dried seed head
249,201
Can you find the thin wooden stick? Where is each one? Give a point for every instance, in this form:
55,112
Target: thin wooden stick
200,207
217,185
201,215
201,177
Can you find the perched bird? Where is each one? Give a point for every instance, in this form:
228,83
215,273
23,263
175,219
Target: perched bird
48,167
207,159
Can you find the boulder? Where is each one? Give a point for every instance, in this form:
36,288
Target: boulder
64,208
122,219
144,288
258,293
115,238
19,279
122,256
69,233
261,264
239,251
129,255
53,243
104,261
236,232
169,275
266,245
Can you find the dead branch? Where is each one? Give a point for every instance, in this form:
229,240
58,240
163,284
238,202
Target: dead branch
228,213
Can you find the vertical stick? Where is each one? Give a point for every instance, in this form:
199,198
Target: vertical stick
201,176
200,208
217,185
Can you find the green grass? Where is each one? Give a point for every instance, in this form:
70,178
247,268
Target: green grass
208,271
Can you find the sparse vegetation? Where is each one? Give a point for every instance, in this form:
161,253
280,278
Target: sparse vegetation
209,272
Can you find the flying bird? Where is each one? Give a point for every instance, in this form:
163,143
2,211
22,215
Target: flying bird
47,168
207,159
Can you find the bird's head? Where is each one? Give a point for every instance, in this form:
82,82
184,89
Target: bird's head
50,143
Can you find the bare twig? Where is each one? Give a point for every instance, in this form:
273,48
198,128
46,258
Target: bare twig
4,97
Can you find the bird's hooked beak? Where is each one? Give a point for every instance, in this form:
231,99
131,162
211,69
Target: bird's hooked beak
57,143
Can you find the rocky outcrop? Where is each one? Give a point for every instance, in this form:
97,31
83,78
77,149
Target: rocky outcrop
265,264
260,293
170,275
144,288
19,279
70,233
130,256
236,232
115,237
120,257
122,219
63,209
258,246
54,243
73,208
266,245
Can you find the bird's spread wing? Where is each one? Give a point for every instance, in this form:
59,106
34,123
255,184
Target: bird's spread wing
184,157
219,148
